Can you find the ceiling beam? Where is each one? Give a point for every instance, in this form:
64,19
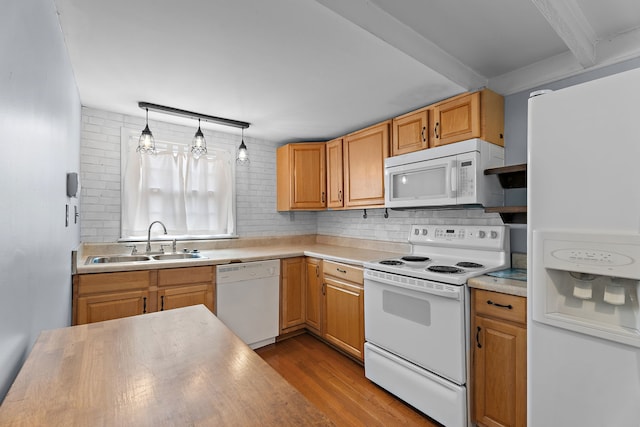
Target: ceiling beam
568,21
376,21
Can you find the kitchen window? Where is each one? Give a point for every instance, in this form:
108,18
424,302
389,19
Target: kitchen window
194,198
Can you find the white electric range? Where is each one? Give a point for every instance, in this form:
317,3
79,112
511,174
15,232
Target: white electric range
417,315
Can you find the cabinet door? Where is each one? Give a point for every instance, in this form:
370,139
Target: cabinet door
292,294
344,316
457,120
335,172
184,296
410,132
364,154
301,176
114,305
185,286
499,373
313,317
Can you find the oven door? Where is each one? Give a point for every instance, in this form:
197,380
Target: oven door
419,320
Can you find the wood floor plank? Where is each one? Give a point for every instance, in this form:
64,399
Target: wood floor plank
337,385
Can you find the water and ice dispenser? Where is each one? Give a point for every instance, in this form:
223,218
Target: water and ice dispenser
588,283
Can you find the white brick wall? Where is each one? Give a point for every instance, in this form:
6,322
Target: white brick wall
255,189
100,178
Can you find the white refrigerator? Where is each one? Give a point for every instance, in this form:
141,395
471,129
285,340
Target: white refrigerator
583,342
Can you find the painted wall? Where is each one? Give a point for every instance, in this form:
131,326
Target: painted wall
40,139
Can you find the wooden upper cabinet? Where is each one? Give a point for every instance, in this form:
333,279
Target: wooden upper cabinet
335,174
301,181
410,132
364,154
470,115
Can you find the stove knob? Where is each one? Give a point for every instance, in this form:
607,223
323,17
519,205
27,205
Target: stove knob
424,231
416,231
494,234
481,234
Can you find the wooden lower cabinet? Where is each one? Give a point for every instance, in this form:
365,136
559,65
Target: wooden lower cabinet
113,305
182,287
343,294
292,294
313,313
499,341
106,296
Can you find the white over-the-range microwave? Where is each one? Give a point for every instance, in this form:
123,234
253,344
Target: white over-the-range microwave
449,175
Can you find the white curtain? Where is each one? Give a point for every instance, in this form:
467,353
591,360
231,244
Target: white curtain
192,197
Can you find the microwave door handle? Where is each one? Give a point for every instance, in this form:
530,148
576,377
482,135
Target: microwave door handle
454,178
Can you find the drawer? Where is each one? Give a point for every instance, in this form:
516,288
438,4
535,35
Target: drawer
343,271
500,306
185,276
109,282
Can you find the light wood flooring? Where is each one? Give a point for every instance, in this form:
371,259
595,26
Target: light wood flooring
337,385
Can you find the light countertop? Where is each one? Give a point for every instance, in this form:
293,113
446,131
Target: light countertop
499,284
346,254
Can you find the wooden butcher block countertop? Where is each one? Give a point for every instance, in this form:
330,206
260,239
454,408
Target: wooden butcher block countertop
180,367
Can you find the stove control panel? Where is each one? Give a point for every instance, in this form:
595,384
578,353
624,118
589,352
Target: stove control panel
489,237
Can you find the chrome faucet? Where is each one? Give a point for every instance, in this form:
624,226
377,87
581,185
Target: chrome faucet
148,248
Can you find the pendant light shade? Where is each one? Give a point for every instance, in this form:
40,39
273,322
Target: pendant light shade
146,143
199,144
243,153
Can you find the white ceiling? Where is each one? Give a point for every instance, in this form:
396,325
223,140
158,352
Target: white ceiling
317,69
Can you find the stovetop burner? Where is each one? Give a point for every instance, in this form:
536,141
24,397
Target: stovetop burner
414,258
391,262
445,269
468,264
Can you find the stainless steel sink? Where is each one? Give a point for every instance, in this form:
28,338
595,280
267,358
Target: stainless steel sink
117,258
189,255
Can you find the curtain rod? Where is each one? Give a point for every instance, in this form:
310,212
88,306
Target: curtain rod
193,115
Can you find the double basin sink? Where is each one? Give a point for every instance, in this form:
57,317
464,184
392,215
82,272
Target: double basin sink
134,258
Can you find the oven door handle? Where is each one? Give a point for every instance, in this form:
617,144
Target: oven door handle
425,286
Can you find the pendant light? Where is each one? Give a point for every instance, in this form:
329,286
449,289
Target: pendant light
199,144
243,153
146,143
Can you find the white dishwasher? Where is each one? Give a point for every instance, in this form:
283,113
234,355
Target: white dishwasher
248,300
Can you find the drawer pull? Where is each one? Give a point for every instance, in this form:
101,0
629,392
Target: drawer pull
162,303
144,305
478,337
341,271
509,307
